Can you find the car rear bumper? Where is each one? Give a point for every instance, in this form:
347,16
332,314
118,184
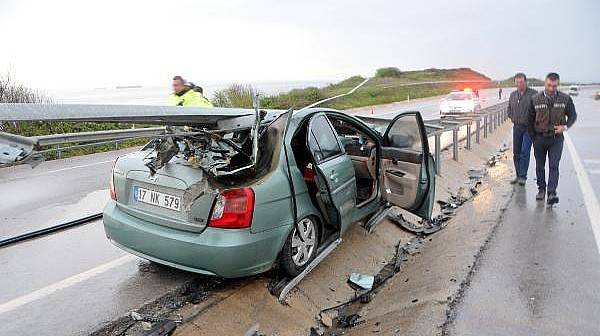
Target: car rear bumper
217,252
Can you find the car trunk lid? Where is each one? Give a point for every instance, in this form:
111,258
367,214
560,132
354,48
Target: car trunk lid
175,196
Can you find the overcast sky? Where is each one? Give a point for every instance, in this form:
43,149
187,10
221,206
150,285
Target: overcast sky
75,43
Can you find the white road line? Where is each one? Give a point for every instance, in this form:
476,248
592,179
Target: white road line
55,171
66,283
589,196
75,167
591,161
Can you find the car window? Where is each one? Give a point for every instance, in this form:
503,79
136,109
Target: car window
322,140
405,133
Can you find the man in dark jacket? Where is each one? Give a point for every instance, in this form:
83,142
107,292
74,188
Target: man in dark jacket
518,111
551,113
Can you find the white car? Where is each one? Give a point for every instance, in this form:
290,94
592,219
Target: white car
573,90
459,102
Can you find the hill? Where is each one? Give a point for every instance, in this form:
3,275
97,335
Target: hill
387,86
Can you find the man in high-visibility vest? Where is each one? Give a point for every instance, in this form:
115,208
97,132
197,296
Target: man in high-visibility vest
184,95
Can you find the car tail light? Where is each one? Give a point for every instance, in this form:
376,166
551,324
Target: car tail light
233,209
113,193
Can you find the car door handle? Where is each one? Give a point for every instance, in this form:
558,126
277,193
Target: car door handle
333,177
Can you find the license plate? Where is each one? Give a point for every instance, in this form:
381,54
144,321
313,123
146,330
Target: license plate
156,198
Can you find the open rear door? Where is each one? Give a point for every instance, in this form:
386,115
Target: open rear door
407,167
334,172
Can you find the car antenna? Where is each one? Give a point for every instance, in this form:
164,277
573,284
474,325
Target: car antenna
336,97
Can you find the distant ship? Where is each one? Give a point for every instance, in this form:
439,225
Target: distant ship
129,86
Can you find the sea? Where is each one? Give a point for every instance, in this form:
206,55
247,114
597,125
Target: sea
157,95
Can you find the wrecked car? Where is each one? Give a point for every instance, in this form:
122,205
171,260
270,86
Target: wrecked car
236,200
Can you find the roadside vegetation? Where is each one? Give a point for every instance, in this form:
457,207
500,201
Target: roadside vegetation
388,85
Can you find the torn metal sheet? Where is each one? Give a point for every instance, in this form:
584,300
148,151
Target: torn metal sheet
424,227
16,149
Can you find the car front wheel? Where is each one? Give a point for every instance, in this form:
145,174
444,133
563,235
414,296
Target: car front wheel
300,247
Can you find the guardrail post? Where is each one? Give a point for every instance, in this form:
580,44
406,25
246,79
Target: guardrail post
469,136
58,152
438,159
455,144
485,125
477,131
491,123
117,144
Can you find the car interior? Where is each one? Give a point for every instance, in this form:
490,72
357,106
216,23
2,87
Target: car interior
362,151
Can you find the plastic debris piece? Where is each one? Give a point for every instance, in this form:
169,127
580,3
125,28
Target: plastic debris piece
327,318
253,331
363,281
136,316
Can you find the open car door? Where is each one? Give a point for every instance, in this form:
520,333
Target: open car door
334,173
407,167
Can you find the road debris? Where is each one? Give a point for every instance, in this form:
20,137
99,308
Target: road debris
253,331
362,281
343,315
350,321
476,173
165,328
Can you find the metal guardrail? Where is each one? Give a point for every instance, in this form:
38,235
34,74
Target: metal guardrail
121,134
95,138
491,118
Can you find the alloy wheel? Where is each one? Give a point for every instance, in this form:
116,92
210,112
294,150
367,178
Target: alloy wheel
304,240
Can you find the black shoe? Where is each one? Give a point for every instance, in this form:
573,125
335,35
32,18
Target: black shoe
540,195
515,181
522,181
552,198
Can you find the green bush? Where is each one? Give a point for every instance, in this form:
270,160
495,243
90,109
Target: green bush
388,72
236,95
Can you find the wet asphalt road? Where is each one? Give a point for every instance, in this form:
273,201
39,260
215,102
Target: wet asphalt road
541,273
429,107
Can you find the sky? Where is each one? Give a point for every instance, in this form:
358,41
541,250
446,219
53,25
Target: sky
76,43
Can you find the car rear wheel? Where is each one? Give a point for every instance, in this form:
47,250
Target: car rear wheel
300,247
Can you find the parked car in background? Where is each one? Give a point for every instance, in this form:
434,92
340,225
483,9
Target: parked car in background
195,201
459,102
573,90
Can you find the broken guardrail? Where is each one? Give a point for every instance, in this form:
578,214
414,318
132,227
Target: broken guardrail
17,146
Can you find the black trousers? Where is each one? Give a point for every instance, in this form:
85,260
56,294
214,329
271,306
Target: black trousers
550,147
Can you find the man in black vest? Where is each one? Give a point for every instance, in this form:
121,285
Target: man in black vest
518,111
551,113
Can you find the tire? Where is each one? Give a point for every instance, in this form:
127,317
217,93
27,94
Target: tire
295,258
